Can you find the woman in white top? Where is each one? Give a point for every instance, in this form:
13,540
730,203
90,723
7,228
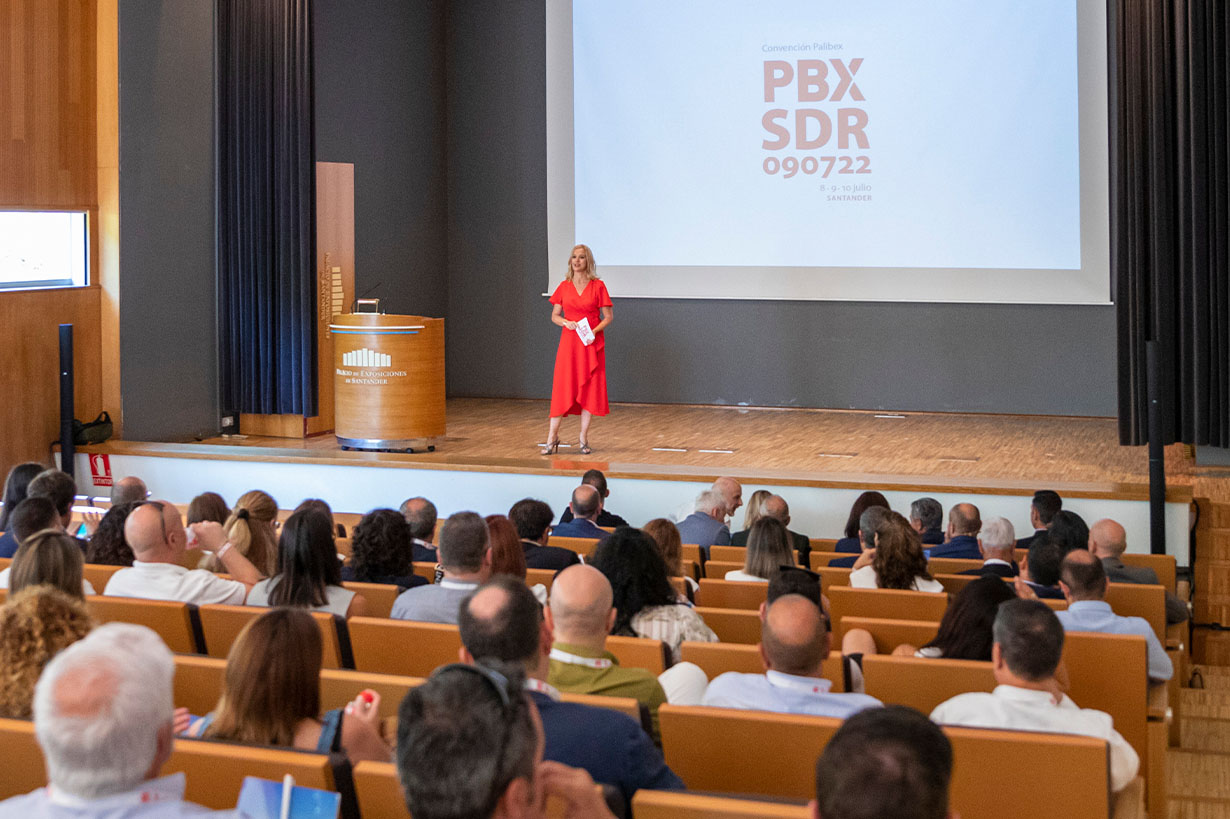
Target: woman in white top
897,561
308,574
768,549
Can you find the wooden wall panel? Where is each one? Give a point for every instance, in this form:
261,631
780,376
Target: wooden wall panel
47,103
29,379
106,238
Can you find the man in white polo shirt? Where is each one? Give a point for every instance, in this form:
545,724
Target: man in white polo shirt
156,534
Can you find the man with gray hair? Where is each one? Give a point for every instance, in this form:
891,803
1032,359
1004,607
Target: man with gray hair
996,542
586,505
927,518
420,514
465,557
871,518
102,715
706,526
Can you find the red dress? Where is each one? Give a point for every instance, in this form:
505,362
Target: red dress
580,371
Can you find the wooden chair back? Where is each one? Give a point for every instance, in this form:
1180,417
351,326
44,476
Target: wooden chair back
889,604
1137,600
581,545
732,625
648,804
379,596
717,569
198,682
831,576
888,634
1162,565
426,570
718,658
5,562
340,686
640,652
23,769
344,546
731,594
98,574
174,622
821,559
1109,672
953,583
692,552
222,624
923,684
546,577
822,544
403,647
680,584
728,554
951,565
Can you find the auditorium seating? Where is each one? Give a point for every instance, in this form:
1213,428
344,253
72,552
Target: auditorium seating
580,545
98,575
821,559
951,565
402,647
175,623
732,625
891,604
888,634
954,583
379,596
731,594
222,624
718,658
923,684
680,805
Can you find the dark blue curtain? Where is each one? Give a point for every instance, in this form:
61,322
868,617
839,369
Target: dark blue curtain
1170,214
266,207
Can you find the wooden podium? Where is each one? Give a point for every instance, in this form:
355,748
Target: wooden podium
388,381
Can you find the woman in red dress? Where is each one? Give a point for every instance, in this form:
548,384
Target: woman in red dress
579,386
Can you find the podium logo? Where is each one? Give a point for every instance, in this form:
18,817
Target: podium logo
366,358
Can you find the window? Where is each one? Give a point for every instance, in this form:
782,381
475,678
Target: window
43,249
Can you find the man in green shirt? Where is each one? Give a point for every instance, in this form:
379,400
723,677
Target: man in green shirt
581,615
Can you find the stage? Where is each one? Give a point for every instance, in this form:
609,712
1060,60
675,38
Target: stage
657,457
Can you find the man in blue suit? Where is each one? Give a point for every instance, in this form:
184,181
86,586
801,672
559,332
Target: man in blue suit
586,505
707,525
503,621
964,524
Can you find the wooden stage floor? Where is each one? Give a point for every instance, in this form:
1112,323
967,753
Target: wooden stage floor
793,444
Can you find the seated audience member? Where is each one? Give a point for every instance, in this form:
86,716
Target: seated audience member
752,512
884,762
128,490
380,551
35,624
580,616
965,629
507,556
1108,542
465,556
1039,575
208,506
107,544
586,504
102,715
420,514
731,492
597,480
16,485
59,488
322,506
1083,581
775,506
251,530
469,745
794,643
156,534
271,693
1069,530
32,515
867,522
927,518
706,526
47,558
850,542
308,575
503,622
896,562
646,604
666,537
964,523
794,580
996,542
532,520
1027,649
1042,511
768,549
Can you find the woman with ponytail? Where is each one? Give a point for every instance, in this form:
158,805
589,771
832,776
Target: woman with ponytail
250,529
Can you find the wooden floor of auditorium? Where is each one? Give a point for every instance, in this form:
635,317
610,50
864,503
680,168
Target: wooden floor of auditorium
1199,769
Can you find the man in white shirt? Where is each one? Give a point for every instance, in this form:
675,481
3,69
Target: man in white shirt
102,715
158,539
794,642
1027,649
465,557
1083,580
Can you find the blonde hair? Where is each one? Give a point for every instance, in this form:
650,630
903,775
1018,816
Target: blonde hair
670,545
35,625
768,548
590,267
249,528
50,558
754,510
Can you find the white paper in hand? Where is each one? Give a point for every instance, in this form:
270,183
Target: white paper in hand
584,332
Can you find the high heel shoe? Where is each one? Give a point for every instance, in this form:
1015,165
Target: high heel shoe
584,448
551,448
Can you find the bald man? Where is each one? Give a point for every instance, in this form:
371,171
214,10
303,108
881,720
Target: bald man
159,541
964,524
1108,541
580,615
586,505
794,642
775,506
